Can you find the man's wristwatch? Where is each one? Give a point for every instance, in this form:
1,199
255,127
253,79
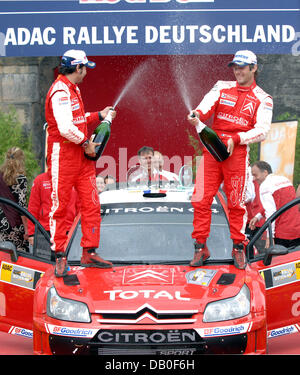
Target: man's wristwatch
85,144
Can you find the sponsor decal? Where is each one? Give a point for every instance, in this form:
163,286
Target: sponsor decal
224,330
137,275
283,331
79,120
75,107
227,102
281,275
153,294
20,276
70,331
64,100
21,332
229,96
248,107
200,276
234,119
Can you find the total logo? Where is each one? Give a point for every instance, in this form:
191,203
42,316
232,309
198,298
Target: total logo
131,294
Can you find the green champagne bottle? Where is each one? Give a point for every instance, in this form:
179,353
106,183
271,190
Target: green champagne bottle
212,142
101,135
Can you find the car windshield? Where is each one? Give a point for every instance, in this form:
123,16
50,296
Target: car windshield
154,232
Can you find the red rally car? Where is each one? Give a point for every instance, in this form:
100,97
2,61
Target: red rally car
151,301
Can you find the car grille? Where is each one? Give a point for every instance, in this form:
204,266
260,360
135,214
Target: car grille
147,315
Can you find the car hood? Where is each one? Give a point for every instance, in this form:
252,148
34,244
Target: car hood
155,287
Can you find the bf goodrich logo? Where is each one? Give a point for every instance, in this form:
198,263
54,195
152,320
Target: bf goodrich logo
138,276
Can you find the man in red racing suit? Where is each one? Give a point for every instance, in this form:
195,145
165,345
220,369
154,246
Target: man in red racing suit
242,115
67,143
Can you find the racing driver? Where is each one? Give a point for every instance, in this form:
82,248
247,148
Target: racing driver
68,167
242,115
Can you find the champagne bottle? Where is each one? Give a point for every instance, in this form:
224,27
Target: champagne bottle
211,141
101,135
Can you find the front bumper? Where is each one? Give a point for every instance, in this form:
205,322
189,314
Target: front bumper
235,344
243,338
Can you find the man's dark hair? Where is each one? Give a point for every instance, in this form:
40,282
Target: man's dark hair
65,70
109,176
145,149
251,66
263,166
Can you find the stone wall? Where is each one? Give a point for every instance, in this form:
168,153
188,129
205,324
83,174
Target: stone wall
279,75
24,83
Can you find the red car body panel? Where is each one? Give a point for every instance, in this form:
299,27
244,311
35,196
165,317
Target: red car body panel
159,299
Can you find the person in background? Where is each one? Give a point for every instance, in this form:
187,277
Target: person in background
254,206
67,145
13,186
40,202
110,182
100,183
242,115
275,191
142,173
157,164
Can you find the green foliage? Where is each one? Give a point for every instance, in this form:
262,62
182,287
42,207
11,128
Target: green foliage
12,135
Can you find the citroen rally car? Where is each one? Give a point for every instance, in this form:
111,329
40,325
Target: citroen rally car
151,301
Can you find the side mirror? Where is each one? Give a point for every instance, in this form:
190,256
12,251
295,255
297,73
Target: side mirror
10,248
274,250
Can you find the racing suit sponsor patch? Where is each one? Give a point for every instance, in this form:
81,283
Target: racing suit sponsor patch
248,107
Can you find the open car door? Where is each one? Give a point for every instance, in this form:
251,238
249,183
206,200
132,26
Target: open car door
19,273
280,269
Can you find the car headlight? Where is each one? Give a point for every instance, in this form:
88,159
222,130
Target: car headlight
66,309
229,308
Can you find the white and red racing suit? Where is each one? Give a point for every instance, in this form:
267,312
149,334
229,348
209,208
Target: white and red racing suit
67,131
275,191
243,114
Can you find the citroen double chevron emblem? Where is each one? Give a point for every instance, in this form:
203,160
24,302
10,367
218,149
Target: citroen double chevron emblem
148,276
248,107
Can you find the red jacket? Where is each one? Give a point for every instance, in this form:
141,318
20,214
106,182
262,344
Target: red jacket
245,113
40,203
